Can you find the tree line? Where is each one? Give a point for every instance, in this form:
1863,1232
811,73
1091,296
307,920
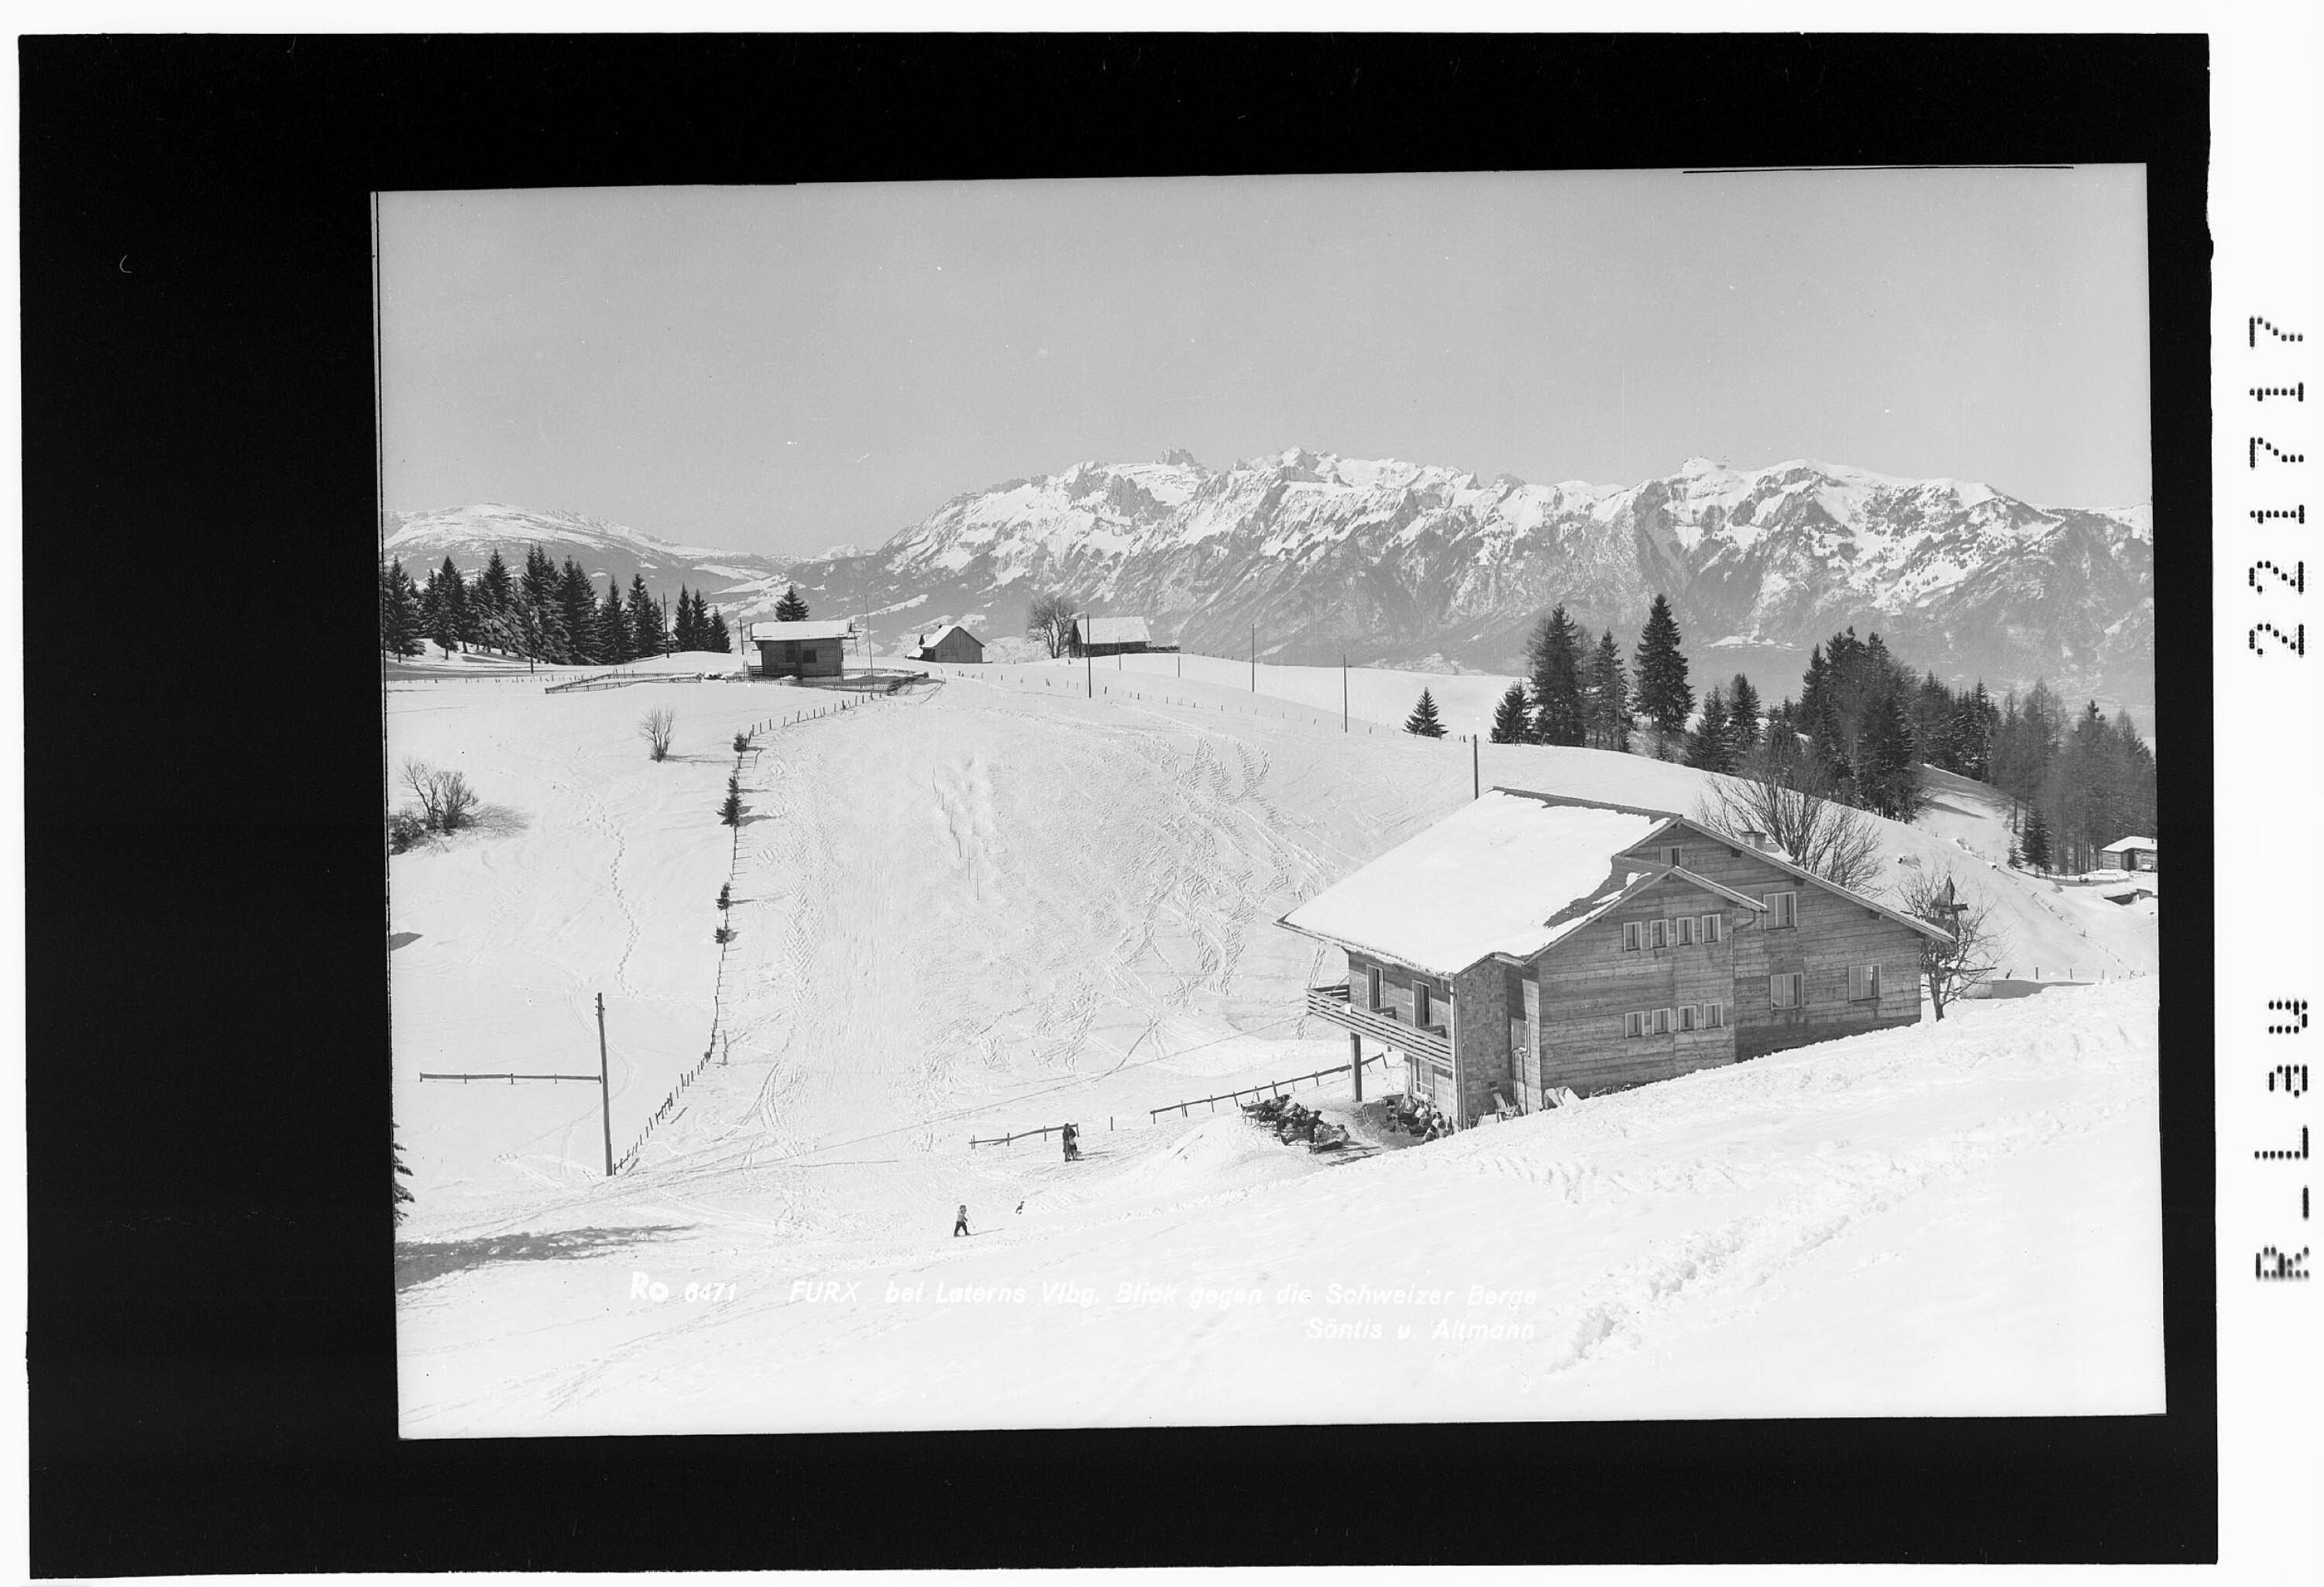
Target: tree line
546,613
1859,732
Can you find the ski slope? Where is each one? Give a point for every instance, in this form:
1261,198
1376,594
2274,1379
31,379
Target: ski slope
994,904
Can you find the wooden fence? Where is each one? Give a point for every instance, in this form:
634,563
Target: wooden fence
1266,1088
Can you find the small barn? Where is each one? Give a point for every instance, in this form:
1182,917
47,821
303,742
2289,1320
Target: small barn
2129,853
813,648
950,643
1111,636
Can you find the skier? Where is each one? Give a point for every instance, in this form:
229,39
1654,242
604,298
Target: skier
960,1221
1072,1152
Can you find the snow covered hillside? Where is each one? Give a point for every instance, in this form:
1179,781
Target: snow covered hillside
993,904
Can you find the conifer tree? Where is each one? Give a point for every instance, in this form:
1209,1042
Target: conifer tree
1886,778
720,640
1424,720
1555,658
1510,718
399,612
790,608
436,620
576,605
1708,748
2035,842
614,627
495,586
645,627
1610,697
1742,719
685,633
1665,698
455,598
730,814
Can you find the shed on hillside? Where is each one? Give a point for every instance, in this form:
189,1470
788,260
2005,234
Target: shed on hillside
2130,854
813,648
950,643
1111,636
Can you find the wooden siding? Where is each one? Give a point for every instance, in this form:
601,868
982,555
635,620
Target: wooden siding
955,647
787,658
1590,981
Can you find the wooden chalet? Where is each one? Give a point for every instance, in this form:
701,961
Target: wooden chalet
1529,942
813,648
950,643
2130,854
1111,636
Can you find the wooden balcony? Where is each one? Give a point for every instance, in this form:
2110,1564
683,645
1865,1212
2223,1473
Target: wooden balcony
1428,1041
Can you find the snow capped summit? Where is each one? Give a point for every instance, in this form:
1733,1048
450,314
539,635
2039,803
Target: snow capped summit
1392,561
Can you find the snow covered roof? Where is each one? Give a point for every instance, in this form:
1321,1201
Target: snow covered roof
936,636
1111,630
1506,874
2129,842
813,628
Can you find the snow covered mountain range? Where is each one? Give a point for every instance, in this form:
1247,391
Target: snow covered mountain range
1399,563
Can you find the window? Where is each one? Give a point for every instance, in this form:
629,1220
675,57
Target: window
1783,992
1420,1003
1682,931
1713,927
1634,935
1634,1025
1689,1017
1863,983
1662,933
1662,1022
1371,986
1783,910
1714,1016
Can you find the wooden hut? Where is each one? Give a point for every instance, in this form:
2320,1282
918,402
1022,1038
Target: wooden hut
950,643
2130,854
1111,636
813,648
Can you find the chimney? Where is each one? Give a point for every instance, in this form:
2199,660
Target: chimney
1755,838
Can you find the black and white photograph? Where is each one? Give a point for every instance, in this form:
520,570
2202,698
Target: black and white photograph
1200,801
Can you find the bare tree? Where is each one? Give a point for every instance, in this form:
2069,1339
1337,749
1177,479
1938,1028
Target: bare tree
655,727
1832,840
1049,618
1964,959
447,802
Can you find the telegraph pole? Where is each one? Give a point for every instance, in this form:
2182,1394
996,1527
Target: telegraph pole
605,1087
1343,691
1254,657
1476,776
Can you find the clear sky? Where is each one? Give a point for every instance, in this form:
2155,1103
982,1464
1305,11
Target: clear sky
781,369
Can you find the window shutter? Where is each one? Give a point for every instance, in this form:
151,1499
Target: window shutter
1632,937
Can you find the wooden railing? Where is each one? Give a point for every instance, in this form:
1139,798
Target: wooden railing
1330,1002
1265,1088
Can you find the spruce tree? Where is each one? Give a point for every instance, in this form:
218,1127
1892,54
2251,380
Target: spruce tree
730,814
645,619
1665,698
720,640
1707,747
1510,718
436,619
1886,775
1424,720
495,586
614,627
2035,843
685,633
1742,719
1555,658
576,605
456,597
790,608
1610,697
399,612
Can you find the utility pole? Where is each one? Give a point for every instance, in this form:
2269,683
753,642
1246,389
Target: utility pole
1356,1062
605,1087
1089,676
1343,691
1254,657
1476,775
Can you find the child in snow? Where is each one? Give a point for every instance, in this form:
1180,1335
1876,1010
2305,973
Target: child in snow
960,1221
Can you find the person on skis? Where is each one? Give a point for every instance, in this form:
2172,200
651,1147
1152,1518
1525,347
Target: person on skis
960,1221
1072,1148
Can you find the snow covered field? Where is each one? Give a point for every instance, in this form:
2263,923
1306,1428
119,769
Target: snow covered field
994,904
